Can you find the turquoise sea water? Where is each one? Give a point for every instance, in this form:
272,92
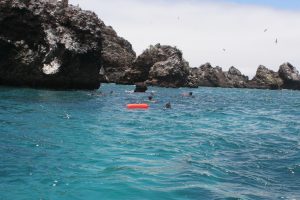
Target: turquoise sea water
222,144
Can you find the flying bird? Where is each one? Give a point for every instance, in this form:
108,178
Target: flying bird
276,41
224,49
266,30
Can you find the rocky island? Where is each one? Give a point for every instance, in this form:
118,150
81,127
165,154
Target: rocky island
51,44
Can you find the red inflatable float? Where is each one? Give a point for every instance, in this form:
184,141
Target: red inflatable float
137,106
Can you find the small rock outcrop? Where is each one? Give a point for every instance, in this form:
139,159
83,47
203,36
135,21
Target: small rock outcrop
290,76
140,87
160,65
49,45
209,76
266,79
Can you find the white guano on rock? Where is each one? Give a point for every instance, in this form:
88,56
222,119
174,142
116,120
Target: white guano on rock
52,68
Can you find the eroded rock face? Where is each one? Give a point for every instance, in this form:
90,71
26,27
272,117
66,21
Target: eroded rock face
170,73
290,76
160,65
44,44
236,79
265,79
117,56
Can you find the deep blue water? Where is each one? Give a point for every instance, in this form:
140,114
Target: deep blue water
222,144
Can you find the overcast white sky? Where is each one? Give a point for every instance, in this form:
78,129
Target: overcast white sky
202,29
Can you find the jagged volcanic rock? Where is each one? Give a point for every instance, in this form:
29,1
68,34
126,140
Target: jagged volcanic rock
290,76
236,79
265,79
43,44
209,76
117,56
160,65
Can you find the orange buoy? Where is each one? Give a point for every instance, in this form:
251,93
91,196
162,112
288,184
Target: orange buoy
138,106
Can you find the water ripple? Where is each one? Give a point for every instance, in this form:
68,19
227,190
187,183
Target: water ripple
221,144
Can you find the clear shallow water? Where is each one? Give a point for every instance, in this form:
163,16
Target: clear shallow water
222,144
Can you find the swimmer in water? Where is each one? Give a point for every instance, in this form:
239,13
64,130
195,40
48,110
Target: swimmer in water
150,99
97,94
67,116
190,94
168,105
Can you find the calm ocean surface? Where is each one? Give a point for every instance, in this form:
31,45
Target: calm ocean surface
222,144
